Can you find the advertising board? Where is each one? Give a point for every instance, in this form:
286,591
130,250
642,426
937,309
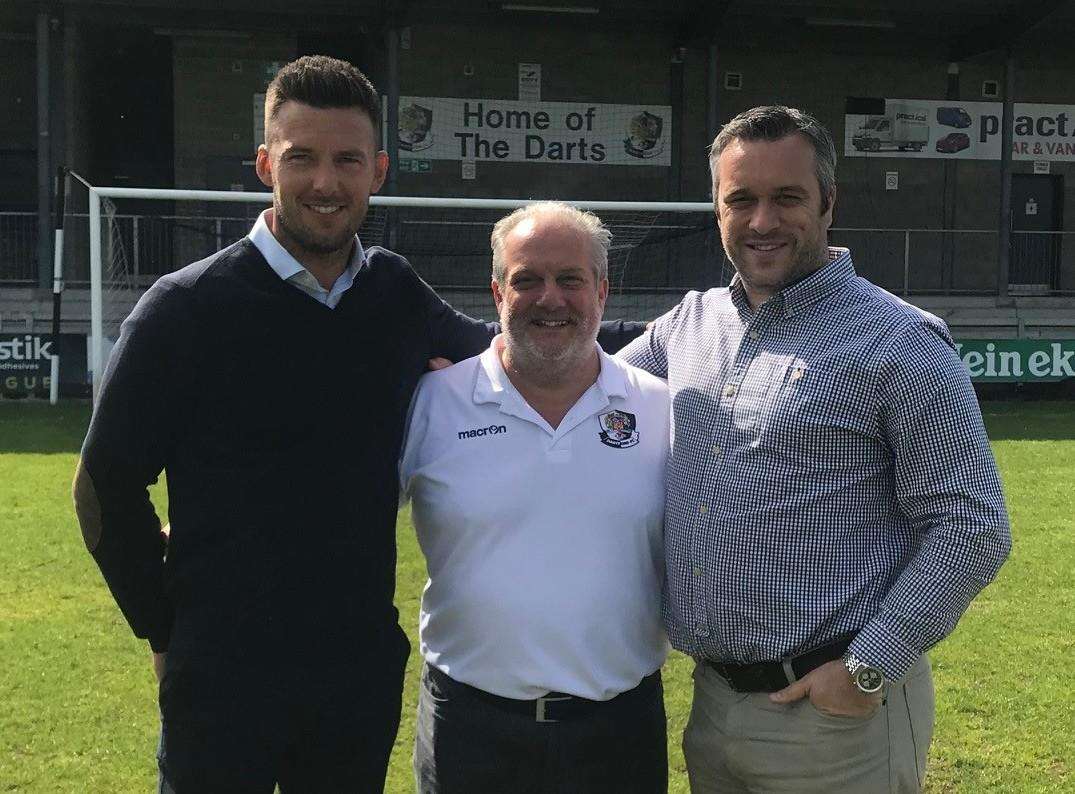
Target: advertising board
445,128
26,365
952,129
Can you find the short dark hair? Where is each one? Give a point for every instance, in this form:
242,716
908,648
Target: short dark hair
322,82
773,123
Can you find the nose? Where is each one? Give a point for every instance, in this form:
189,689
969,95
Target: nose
324,177
765,218
551,296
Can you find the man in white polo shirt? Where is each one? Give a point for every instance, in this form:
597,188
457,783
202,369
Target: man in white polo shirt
536,475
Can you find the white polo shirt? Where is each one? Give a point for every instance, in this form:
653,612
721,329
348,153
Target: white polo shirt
544,546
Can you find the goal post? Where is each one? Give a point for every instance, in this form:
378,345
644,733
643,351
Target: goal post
659,249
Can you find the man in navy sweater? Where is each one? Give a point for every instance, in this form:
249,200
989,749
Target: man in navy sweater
271,381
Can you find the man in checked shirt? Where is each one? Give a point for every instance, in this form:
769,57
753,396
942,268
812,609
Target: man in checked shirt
833,504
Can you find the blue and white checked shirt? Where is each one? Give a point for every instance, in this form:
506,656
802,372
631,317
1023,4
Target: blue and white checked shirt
830,473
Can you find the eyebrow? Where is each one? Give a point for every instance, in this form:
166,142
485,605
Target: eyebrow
738,193
295,149
572,270
747,193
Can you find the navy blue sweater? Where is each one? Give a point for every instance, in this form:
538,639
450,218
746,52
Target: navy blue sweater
279,423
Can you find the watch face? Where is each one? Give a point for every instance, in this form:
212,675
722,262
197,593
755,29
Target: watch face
869,680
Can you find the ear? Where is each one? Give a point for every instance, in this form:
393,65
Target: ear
263,166
380,170
826,216
602,291
498,298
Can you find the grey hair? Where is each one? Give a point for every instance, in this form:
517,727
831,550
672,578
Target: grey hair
586,222
773,123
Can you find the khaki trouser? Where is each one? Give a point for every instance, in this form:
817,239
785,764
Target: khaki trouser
743,743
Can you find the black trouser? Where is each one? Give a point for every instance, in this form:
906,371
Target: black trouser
307,729
467,743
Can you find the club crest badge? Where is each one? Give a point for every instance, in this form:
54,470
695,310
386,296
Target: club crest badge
644,136
415,128
618,429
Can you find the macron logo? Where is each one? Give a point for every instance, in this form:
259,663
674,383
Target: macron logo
492,430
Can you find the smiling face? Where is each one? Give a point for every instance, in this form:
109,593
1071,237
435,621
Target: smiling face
550,301
322,164
769,208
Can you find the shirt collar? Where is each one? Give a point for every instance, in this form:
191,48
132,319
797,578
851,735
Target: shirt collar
493,385
283,263
830,277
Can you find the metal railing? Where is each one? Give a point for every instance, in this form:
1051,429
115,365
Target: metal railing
960,261
18,247
905,261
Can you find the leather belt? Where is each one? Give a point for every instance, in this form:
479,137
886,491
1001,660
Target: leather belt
552,707
774,676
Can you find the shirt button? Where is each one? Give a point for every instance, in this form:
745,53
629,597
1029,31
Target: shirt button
753,334
700,630
703,509
729,390
716,450
697,571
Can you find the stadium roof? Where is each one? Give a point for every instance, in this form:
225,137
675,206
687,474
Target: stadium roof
960,29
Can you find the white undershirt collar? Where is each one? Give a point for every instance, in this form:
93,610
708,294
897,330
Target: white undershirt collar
291,270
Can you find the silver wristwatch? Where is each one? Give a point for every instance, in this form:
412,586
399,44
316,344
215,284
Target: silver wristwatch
869,680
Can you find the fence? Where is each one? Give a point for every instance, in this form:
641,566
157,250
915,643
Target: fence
18,247
905,261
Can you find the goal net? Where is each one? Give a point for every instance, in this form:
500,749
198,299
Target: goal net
658,251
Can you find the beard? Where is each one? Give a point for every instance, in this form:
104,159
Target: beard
313,241
550,359
808,256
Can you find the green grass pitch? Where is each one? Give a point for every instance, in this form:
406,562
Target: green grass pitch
77,699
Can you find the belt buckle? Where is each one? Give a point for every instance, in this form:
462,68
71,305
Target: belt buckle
539,713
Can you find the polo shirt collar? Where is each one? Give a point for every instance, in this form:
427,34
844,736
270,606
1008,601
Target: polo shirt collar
492,384
829,278
286,266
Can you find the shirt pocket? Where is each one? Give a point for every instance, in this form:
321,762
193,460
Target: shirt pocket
817,406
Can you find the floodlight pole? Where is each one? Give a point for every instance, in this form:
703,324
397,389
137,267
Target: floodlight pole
96,295
44,146
712,120
1005,221
391,137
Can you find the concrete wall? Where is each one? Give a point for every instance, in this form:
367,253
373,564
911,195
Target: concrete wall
18,142
214,81
578,64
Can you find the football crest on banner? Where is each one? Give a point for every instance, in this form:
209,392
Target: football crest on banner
618,429
415,128
644,136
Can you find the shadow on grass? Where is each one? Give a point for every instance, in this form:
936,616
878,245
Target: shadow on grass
37,427
41,428
1019,420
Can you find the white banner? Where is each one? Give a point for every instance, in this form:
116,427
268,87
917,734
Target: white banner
444,128
932,129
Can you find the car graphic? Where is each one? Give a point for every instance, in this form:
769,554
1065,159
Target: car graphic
953,142
953,117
